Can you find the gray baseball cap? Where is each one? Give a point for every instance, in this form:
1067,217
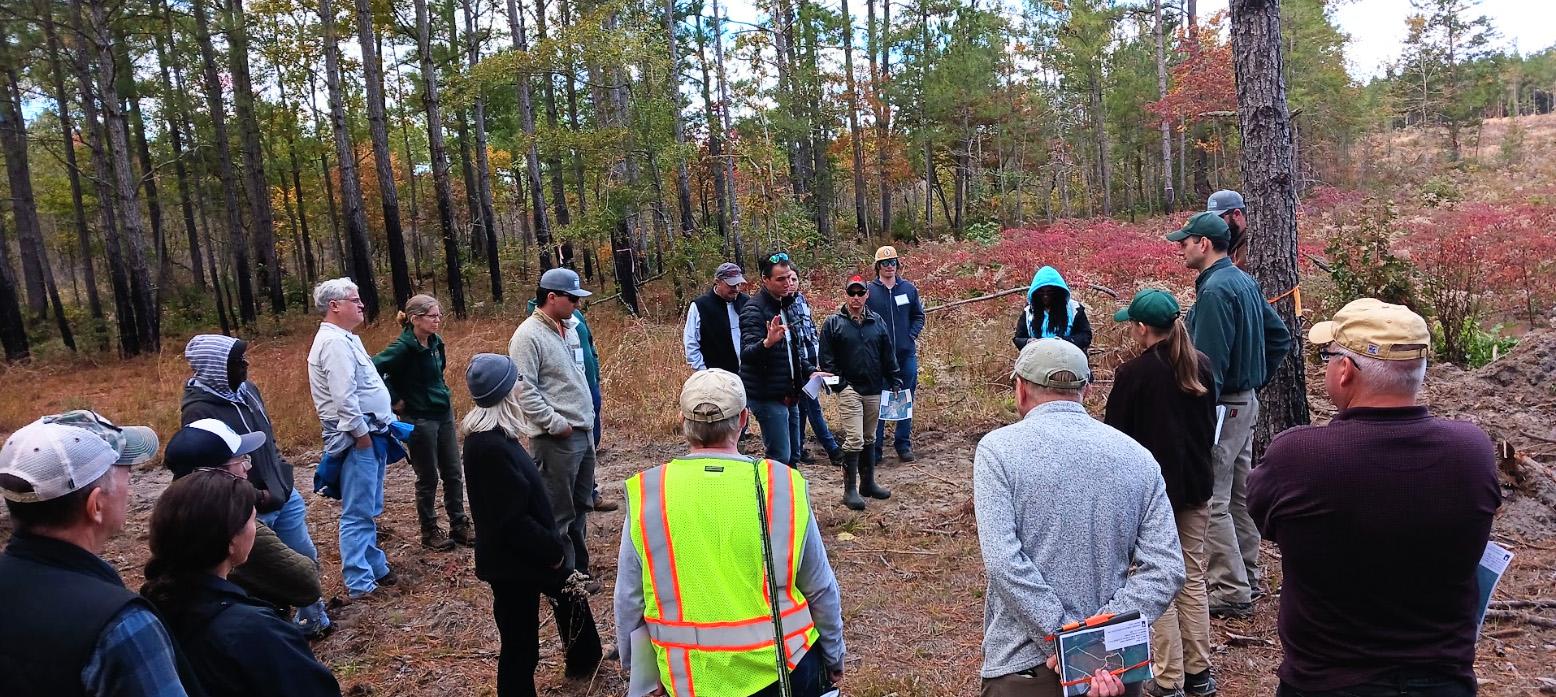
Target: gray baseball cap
563,281
729,273
1044,359
1223,201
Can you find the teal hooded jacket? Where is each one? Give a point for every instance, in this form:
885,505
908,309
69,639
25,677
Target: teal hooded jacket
1031,325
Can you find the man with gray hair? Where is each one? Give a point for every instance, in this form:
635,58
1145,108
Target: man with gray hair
1073,520
1381,517
355,413
705,606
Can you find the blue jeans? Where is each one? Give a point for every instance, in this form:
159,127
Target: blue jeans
290,522
780,422
908,364
811,410
361,500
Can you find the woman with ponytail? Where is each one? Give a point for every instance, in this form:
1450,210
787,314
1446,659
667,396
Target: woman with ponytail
201,528
1164,399
412,366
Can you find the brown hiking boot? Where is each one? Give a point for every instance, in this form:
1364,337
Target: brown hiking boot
463,534
436,540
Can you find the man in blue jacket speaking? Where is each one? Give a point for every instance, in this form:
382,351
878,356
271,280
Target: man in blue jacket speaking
896,300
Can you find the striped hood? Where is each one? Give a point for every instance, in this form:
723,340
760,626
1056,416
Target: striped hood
208,355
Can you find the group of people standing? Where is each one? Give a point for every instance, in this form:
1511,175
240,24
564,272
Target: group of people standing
722,572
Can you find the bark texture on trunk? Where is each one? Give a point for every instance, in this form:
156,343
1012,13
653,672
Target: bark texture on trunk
268,271
1271,195
378,132
440,176
350,186
222,144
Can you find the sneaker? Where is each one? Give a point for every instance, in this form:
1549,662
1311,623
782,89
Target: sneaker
1232,611
436,540
604,505
1200,684
1154,689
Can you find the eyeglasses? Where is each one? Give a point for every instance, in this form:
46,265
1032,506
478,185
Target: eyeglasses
221,470
1327,355
859,293
778,258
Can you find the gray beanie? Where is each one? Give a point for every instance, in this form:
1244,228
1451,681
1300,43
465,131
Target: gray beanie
490,378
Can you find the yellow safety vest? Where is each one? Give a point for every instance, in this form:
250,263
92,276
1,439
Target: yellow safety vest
694,525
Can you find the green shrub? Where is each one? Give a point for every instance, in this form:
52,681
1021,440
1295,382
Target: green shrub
1481,346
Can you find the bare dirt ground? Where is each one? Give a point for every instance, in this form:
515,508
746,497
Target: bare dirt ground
909,567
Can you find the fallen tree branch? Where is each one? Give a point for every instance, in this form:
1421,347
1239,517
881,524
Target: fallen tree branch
639,284
1011,291
1523,604
1518,616
892,551
1243,640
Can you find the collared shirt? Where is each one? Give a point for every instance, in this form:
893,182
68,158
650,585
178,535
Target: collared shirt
814,578
348,393
133,658
691,336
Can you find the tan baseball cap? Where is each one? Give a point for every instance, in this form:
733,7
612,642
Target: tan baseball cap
884,253
1376,329
1042,359
712,395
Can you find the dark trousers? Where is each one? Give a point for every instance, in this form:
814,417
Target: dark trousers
908,364
434,454
516,608
1405,682
809,678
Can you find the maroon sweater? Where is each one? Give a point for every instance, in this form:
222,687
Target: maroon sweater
1381,518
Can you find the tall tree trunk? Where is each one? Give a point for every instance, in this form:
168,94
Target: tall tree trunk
257,185
410,174
324,174
537,206
175,111
572,114
715,139
13,143
1162,123
13,330
861,214
1265,121
131,96
378,132
224,169
440,175
683,187
73,170
483,166
924,125
1100,132
554,158
821,164
223,309
102,180
305,243
883,113
738,244
132,230
350,185
611,104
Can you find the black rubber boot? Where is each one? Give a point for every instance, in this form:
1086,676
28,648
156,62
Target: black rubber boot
851,482
867,484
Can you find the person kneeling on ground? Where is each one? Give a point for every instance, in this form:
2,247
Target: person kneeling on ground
1073,521
1052,313
705,608
856,347
201,528
518,550
1381,517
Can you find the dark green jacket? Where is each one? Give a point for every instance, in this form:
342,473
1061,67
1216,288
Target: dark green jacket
1234,326
414,373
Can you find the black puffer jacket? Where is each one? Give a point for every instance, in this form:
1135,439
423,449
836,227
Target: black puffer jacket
271,473
767,373
859,352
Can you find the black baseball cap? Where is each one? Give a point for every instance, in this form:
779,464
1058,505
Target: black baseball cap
207,443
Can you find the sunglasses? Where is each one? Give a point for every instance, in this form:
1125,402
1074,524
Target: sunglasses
778,258
568,297
1327,355
857,293
889,262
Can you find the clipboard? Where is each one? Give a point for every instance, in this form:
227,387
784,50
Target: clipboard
1121,643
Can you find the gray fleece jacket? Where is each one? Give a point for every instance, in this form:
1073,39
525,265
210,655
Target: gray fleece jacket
553,391
1066,505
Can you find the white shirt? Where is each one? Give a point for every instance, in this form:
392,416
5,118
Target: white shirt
348,393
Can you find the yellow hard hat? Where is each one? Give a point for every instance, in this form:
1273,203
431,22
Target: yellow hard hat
884,253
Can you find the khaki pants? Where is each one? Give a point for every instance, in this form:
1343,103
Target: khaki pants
1232,540
1043,683
858,412
1180,639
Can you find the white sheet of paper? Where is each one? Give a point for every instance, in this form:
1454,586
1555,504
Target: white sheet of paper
902,299
813,387
1220,419
1496,558
645,667
1117,636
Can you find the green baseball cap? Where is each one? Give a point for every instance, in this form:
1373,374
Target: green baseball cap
1206,224
1152,307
